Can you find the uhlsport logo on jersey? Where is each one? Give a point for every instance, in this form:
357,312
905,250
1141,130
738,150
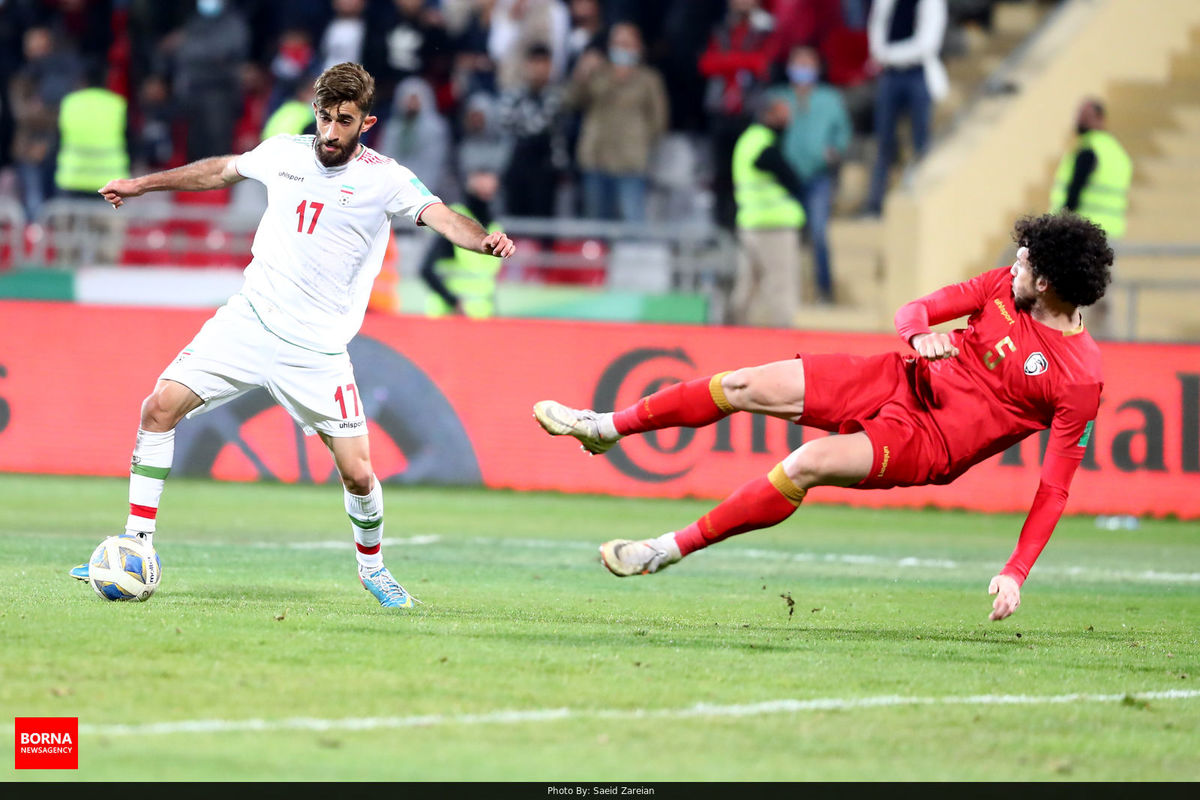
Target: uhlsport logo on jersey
1036,364
345,194
46,743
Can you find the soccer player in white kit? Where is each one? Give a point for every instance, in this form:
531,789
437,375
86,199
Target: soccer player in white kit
316,253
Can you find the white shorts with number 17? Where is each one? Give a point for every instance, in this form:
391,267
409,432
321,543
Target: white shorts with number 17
233,353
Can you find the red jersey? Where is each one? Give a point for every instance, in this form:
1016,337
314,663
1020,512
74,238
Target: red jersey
1012,376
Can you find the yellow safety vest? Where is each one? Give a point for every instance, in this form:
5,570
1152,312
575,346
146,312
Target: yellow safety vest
1106,194
292,117
762,201
471,276
91,152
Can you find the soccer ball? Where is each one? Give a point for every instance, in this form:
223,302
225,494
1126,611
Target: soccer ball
124,568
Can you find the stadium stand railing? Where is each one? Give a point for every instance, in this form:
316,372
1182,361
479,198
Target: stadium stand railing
693,257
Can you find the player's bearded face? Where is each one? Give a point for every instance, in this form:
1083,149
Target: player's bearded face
1024,292
338,132
335,151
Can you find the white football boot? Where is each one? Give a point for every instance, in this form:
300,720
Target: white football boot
624,557
582,423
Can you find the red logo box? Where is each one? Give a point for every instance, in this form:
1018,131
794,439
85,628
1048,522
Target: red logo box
46,743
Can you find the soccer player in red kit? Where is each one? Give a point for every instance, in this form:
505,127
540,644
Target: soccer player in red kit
1023,363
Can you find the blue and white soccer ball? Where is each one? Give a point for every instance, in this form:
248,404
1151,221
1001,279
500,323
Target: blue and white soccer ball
124,568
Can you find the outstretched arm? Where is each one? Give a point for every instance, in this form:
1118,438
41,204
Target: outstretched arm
208,173
1047,508
1069,435
466,232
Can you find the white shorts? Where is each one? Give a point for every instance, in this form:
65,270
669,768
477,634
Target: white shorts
233,353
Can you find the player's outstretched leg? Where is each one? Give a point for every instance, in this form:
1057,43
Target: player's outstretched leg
153,453
692,404
761,503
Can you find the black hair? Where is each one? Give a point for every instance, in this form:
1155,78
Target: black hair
1070,252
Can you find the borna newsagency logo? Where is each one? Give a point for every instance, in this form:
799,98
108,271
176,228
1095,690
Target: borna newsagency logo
46,742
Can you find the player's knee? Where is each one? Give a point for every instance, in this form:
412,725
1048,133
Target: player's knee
809,466
738,388
358,478
157,414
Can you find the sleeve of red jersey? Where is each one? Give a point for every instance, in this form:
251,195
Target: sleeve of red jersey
950,302
1069,435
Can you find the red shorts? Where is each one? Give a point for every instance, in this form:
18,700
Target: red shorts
874,394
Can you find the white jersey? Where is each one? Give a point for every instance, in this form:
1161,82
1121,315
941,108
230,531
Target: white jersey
321,241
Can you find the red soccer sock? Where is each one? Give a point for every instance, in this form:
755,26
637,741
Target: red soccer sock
682,405
761,503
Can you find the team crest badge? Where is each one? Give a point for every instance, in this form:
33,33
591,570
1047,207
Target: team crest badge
345,194
1036,364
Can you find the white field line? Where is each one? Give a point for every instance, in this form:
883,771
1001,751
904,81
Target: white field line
777,556
702,710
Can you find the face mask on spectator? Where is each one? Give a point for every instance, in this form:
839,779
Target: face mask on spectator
622,57
210,8
802,75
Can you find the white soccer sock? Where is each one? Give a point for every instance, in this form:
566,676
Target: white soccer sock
148,470
366,514
667,540
608,429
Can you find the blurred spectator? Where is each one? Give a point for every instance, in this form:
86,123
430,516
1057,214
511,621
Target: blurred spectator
343,38
803,22
256,91
1093,177
736,65
154,137
92,151
684,30
532,116
484,146
905,37
474,70
417,135
814,144
269,20
625,111
36,90
409,40
92,148
462,281
291,65
1093,180
769,215
212,47
517,24
85,24
587,30
296,115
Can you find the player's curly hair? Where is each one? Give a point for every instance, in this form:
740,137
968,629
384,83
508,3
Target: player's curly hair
1070,252
345,83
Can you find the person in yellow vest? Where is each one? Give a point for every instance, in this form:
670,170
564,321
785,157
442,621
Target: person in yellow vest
92,127
1093,178
1093,181
295,115
461,282
769,217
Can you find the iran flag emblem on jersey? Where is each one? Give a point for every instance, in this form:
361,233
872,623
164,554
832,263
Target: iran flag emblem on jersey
345,194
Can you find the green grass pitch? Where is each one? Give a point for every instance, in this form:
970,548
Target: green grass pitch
842,645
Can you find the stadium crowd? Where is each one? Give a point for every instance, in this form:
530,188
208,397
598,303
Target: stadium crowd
571,103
